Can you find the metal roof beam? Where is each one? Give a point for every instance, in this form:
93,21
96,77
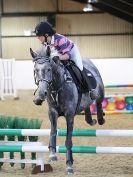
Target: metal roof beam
81,1
113,10
128,2
125,8
17,14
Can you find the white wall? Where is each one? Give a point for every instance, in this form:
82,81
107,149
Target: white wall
24,75
113,72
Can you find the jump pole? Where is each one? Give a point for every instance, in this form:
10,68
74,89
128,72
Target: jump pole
62,149
62,132
118,112
119,86
124,94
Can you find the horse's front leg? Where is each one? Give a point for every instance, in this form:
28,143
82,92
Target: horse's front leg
68,144
53,116
100,113
88,117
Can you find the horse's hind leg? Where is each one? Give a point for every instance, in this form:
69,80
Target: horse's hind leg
88,117
100,113
53,115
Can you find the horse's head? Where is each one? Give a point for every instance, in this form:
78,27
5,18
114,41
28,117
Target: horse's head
42,74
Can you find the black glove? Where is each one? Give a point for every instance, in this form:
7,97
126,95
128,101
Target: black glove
56,59
65,62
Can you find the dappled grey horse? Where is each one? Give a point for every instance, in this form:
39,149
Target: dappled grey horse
63,99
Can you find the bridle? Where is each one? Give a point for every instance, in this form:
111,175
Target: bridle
41,61
41,80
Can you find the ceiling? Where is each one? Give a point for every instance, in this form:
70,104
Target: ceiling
120,8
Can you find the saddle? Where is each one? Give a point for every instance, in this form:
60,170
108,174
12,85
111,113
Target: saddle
78,78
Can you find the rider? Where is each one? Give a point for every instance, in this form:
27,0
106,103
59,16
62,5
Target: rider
66,48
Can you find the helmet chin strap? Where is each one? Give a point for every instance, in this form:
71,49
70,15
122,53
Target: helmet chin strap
45,40
46,36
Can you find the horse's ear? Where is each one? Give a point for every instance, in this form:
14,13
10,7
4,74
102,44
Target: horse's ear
33,54
48,51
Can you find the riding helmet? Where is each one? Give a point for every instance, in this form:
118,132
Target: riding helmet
44,28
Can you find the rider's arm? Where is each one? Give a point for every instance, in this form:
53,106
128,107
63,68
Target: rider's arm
65,46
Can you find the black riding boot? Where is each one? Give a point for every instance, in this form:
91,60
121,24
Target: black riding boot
93,92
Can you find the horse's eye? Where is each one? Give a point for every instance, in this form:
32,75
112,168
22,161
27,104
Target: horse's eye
49,69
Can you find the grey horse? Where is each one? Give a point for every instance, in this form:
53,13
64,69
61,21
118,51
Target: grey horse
63,99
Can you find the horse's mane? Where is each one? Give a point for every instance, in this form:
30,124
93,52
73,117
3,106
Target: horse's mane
42,56
42,52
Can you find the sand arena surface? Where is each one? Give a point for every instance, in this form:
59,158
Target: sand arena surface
85,165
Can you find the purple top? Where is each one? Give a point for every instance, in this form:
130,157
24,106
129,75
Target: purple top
62,44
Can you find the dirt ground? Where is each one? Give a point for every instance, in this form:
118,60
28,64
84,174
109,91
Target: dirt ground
85,165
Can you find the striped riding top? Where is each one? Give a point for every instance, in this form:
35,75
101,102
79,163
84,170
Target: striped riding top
62,44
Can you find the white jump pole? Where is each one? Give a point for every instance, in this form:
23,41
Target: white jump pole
62,149
63,132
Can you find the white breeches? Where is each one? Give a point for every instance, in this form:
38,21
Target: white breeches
76,57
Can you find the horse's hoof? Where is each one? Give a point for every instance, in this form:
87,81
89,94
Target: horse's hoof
53,158
101,121
93,122
69,170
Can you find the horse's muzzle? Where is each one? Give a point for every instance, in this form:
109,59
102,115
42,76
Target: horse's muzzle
38,101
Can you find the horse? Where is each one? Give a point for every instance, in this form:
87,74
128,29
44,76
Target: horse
63,99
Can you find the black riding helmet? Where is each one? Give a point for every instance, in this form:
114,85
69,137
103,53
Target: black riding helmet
44,28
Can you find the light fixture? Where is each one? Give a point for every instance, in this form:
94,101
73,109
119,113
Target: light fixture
88,7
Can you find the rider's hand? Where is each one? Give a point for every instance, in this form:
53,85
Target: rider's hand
56,59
